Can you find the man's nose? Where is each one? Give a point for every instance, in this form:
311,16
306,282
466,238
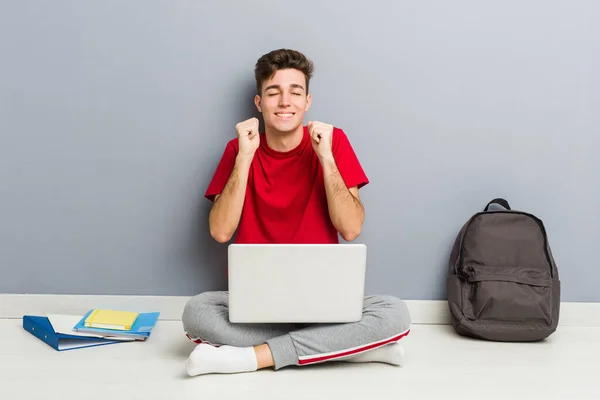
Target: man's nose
284,100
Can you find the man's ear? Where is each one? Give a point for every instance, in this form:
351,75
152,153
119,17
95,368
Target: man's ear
308,101
257,103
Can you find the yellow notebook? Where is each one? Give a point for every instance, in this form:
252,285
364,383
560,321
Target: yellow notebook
111,319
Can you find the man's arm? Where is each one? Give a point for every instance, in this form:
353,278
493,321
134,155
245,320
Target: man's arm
345,208
226,211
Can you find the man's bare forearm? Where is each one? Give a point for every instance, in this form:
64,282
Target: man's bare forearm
345,210
225,214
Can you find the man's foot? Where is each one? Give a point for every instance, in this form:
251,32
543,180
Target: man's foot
207,359
390,354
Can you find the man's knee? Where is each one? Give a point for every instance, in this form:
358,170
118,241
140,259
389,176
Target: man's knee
393,315
400,315
201,312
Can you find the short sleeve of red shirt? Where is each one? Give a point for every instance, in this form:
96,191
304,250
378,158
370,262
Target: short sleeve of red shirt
346,160
223,171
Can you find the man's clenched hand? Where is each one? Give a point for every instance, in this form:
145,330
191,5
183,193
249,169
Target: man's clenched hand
321,135
248,136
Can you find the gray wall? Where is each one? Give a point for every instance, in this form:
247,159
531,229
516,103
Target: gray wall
114,114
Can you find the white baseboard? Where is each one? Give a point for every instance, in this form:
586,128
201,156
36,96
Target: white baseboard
170,307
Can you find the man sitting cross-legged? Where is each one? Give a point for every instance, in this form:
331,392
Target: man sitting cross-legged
289,184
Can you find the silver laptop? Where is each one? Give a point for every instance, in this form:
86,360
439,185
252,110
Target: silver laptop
297,283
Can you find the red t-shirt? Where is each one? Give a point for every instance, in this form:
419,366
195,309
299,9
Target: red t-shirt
285,195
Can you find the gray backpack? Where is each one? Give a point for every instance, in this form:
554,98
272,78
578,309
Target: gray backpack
502,282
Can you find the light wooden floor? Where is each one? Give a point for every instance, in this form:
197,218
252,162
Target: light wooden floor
439,365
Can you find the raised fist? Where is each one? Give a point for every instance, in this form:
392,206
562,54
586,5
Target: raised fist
248,136
321,135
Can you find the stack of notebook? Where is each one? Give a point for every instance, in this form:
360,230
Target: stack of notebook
97,327
117,324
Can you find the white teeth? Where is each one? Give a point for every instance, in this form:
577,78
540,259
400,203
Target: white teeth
284,115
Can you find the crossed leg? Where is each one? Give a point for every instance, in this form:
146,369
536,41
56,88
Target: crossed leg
228,348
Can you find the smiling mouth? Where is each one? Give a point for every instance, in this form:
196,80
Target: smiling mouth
285,115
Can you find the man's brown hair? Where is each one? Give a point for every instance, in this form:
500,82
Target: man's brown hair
268,64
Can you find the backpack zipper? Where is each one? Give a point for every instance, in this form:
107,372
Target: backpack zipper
474,285
473,294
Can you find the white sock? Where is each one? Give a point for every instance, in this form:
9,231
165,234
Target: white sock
391,354
207,359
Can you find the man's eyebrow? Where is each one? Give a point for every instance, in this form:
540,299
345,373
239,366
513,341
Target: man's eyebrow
293,85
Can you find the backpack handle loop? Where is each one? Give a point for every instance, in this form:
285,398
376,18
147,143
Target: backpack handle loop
499,201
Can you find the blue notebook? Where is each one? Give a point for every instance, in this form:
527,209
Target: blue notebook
140,330
41,328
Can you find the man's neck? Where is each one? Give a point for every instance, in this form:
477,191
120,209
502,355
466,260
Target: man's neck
283,142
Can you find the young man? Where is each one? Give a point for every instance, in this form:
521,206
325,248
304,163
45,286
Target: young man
289,184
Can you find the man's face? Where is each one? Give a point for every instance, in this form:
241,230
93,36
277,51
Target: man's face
284,100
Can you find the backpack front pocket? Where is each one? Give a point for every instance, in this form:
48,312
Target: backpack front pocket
499,297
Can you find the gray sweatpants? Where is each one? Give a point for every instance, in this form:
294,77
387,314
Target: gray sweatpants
385,320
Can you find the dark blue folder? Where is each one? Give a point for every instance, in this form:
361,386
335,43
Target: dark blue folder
41,328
